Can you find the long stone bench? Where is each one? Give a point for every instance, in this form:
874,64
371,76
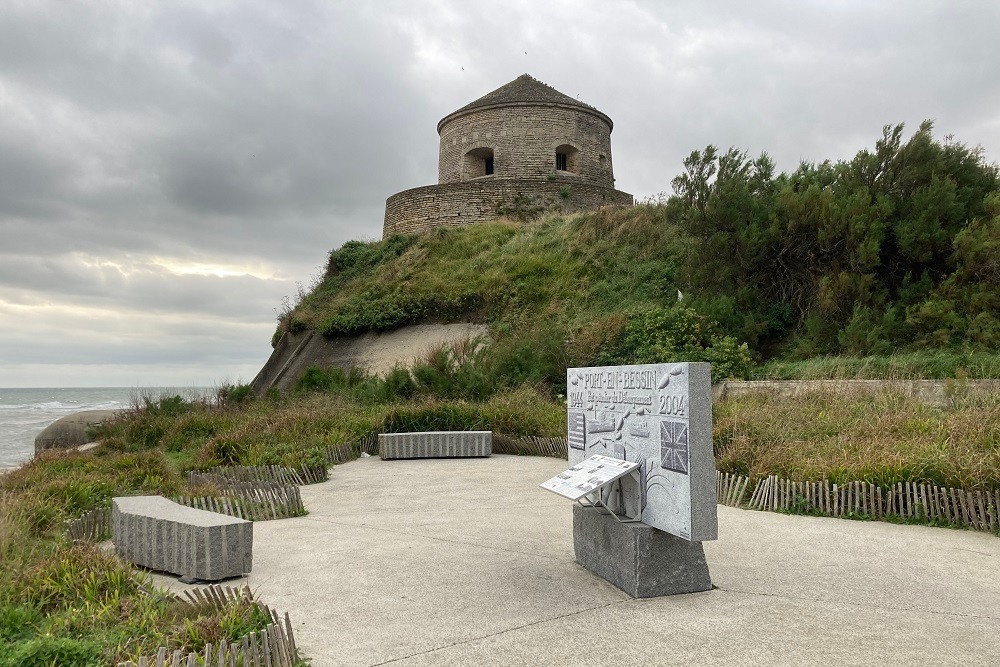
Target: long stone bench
435,444
160,534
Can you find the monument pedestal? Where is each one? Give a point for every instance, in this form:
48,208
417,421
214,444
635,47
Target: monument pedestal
640,560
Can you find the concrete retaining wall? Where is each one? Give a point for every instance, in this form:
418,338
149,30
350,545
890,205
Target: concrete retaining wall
159,534
435,444
374,352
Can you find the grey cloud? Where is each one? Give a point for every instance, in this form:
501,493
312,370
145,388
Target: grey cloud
264,132
148,289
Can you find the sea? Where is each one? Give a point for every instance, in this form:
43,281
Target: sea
25,412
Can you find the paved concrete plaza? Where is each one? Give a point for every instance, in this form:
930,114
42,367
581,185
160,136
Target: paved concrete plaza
468,562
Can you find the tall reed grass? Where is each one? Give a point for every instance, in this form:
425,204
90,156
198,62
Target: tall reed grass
880,438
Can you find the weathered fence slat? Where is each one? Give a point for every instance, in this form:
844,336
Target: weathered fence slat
93,526
272,646
530,445
977,509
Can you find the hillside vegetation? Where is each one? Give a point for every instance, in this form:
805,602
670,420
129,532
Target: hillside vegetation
886,265
895,252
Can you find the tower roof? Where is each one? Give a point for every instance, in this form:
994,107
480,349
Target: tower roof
525,90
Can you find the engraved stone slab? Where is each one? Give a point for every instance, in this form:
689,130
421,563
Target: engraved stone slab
435,444
159,534
660,416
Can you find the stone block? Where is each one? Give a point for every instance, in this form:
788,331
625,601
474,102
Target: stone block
159,534
639,559
435,444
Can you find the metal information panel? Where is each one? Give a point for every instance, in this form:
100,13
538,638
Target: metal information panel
587,476
659,417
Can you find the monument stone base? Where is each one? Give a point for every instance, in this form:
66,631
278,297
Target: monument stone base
641,560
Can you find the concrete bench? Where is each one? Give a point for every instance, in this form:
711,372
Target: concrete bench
159,534
435,444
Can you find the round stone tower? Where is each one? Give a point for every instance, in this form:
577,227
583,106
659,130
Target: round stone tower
521,150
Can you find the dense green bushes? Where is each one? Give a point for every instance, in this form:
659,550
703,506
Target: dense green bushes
894,249
677,333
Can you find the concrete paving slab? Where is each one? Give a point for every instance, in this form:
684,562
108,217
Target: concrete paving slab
468,562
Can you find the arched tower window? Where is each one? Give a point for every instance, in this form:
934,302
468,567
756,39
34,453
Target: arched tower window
477,163
566,158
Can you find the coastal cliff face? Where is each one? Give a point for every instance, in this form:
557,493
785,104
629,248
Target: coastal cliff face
375,353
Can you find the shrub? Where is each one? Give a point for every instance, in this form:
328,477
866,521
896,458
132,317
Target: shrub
53,652
238,394
676,334
18,622
78,575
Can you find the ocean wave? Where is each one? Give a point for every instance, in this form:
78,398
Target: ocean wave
63,407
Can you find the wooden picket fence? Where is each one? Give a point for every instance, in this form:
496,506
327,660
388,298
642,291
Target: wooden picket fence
276,474
348,451
369,444
337,454
94,526
274,646
261,501
978,509
530,445
730,488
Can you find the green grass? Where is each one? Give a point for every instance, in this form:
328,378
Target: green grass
579,290
63,604
557,292
74,605
575,270
928,365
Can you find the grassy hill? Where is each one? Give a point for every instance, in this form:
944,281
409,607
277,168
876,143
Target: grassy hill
883,266
891,256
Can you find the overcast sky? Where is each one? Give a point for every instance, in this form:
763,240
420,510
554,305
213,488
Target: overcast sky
170,170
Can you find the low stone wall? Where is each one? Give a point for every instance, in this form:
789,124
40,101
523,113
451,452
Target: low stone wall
159,534
435,444
459,204
938,393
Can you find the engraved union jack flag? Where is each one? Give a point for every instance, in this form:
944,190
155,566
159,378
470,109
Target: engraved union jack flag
674,446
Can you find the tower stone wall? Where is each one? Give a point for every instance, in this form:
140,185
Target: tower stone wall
524,142
521,150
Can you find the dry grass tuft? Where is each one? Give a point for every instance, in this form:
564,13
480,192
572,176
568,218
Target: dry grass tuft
881,438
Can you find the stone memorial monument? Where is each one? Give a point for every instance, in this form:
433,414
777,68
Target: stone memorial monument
658,416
